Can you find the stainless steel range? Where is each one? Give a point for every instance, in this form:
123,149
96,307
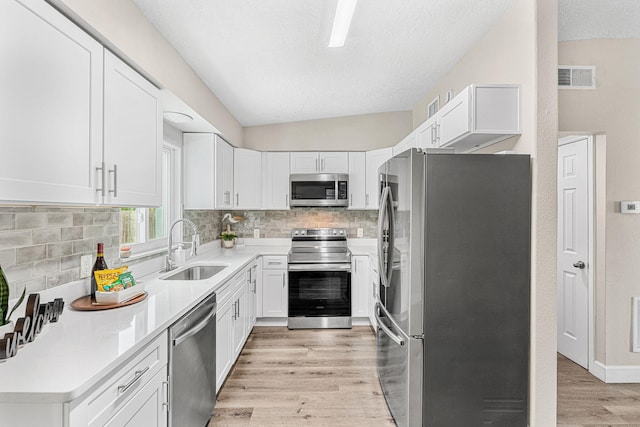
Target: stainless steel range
319,279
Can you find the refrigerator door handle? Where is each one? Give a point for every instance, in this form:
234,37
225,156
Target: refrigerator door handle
386,211
394,337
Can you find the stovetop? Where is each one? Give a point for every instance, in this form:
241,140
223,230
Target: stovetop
319,245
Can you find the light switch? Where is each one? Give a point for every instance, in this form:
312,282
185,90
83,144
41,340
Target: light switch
360,232
256,233
630,206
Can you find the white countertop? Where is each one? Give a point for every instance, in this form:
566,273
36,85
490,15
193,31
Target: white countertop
68,357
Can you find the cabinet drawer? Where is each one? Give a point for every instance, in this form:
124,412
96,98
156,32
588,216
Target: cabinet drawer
274,262
122,384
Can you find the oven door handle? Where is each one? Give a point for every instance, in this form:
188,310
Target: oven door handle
320,267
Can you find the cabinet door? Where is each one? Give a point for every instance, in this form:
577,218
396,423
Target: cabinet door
132,136
224,342
357,180
50,106
252,288
360,286
304,162
275,293
454,119
247,178
223,171
334,162
198,154
276,181
374,160
145,408
240,320
427,133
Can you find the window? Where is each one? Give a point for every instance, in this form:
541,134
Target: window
147,228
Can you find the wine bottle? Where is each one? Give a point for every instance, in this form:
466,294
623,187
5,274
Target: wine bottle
100,264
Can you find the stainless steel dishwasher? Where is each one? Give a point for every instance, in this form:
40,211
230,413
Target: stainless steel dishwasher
192,366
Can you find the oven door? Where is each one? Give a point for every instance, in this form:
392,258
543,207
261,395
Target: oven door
319,290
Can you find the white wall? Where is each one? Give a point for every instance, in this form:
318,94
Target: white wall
522,48
354,133
121,26
614,109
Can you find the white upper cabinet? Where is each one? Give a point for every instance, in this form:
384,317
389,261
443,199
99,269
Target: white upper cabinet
132,136
375,159
357,180
427,133
247,178
275,180
50,106
79,125
478,116
319,162
223,174
208,172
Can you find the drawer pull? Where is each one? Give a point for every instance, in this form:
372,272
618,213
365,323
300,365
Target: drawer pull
137,376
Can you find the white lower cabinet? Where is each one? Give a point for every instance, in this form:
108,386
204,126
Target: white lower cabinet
233,322
132,395
360,286
145,408
275,289
252,295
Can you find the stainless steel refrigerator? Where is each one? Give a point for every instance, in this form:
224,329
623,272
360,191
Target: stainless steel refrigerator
454,292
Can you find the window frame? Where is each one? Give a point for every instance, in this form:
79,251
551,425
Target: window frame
174,150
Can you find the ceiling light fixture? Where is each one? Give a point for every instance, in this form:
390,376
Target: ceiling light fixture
342,22
176,117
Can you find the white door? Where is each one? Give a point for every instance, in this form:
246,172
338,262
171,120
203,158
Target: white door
374,159
276,181
275,293
573,251
304,162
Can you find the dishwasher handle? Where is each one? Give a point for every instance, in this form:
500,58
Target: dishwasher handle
196,328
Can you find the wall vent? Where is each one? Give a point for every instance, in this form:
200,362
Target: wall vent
635,325
576,77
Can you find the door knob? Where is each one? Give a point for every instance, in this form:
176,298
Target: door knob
579,265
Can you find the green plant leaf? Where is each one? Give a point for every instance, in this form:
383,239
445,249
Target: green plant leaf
4,296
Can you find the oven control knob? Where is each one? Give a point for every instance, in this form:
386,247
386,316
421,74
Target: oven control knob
335,232
303,232
341,232
295,233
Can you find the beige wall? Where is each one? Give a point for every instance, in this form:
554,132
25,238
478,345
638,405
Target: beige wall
354,133
522,49
121,26
614,109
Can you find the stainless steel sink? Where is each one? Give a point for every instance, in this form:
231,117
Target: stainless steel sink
197,272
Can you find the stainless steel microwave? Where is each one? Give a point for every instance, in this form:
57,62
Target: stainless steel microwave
319,189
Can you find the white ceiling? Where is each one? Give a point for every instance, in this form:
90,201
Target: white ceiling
598,19
268,60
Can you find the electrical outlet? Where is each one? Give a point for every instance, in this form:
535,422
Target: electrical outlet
360,232
86,262
256,233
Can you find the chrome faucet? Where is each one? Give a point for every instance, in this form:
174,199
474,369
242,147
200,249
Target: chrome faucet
195,240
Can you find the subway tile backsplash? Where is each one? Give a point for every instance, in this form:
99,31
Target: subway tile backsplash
278,224
40,246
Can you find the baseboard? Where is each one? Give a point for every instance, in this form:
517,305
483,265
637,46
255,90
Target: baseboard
282,321
616,374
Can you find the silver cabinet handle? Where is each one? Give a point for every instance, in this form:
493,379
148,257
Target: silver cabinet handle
351,199
317,165
115,180
237,309
286,200
233,316
136,377
579,265
322,164
283,281
237,199
437,133
103,171
165,386
366,199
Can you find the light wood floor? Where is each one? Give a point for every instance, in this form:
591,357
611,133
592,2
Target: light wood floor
585,401
314,377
